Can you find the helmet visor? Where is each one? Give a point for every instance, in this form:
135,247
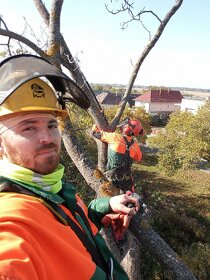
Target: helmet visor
16,70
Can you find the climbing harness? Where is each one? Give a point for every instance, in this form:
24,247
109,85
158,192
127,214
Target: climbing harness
121,176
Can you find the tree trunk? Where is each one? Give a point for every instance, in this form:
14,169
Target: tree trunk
128,252
159,249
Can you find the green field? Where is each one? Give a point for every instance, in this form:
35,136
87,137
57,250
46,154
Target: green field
180,207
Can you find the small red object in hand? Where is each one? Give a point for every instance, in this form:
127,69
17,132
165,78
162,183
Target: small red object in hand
119,223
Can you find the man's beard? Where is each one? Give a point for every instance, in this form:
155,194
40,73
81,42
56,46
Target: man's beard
45,166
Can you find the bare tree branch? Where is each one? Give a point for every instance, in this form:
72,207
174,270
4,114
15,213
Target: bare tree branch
54,32
160,249
128,7
42,39
13,35
142,57
42,10
5,26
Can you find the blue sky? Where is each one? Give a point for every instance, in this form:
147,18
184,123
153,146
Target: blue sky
181,58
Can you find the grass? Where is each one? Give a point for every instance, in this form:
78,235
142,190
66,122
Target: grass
181,215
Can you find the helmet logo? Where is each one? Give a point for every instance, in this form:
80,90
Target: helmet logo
38,91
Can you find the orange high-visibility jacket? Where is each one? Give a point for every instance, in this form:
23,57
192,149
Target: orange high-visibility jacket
117,148
34,245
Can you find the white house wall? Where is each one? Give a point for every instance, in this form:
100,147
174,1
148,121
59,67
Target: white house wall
162,107
191,105
143,104
156,107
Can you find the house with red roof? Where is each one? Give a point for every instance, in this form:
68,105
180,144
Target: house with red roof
160,101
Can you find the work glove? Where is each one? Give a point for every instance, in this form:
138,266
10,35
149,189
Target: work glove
119,223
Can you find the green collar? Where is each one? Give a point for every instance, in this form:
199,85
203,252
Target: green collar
48,182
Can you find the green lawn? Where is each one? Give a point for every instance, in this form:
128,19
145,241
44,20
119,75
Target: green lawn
180,208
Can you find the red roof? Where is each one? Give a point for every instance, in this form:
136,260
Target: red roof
160,95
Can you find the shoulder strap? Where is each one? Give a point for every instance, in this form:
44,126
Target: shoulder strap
88,244
127,143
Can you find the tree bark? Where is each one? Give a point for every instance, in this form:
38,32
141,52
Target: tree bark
160,249
128,253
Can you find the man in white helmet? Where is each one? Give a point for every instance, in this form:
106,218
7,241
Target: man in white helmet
45,232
